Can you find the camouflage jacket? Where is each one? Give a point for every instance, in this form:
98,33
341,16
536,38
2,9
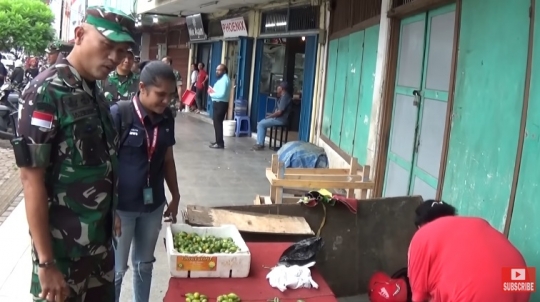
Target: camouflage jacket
174,102
117,87
71,134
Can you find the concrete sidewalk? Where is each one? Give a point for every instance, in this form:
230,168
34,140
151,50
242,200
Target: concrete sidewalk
207,177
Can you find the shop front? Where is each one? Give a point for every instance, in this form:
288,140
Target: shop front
238,54
286,50
208,48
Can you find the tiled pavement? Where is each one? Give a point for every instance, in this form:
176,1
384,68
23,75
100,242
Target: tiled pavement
206,177
10,185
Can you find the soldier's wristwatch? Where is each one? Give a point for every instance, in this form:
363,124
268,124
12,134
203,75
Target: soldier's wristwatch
47,264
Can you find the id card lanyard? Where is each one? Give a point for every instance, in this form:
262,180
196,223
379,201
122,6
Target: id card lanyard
150,147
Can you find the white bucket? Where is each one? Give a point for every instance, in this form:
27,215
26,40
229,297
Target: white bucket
229,128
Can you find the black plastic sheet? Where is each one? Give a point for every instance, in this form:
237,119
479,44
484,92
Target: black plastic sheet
302,252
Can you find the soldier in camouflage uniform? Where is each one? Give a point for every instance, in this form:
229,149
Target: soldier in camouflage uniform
121,84
52,54
175,103
70,186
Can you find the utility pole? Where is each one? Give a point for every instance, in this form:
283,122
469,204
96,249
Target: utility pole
62,12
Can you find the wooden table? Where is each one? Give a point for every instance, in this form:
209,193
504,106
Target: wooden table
253,288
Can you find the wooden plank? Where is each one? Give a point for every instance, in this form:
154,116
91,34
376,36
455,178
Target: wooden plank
267,200
317,171
347,178
248,222
273,172
319,184
279,189
270,175
363,193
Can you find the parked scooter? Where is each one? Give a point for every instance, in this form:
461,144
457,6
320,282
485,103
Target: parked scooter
9,104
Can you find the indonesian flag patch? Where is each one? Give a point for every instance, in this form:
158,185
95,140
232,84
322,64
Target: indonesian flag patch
42,119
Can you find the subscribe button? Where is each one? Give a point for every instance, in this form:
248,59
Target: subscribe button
519,279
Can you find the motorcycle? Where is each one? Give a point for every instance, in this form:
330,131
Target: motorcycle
9,104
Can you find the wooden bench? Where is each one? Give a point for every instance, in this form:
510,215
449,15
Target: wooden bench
356,178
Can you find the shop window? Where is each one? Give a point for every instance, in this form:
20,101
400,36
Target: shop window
298,73
292,19
304,18
274,22
272,65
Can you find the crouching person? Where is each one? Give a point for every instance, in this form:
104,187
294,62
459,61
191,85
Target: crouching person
459,259
145,155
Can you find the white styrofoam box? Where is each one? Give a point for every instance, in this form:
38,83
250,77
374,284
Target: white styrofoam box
226,265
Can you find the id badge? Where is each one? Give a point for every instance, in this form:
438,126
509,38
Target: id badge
148,196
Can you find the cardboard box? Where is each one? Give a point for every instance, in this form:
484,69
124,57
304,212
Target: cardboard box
219,265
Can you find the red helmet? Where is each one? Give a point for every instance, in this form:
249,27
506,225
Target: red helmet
382,288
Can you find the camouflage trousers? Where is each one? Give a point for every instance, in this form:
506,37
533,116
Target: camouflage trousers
174,105
90,278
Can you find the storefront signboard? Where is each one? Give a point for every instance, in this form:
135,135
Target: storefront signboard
233,28
195,28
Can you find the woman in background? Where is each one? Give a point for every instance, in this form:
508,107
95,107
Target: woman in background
194,75
459,259
32,70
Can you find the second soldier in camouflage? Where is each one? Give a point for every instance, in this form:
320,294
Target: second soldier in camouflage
175,103
121,84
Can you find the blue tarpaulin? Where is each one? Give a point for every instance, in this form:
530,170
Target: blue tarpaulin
301,154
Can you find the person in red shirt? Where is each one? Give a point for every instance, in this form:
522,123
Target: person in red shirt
459,259
202,78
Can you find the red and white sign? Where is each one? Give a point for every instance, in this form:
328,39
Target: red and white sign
519,279
233,28
42,119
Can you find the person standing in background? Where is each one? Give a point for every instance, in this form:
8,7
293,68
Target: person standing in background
220,95
32,70
17,75
69,170
52,55
194,75
202,78
175,102
122,83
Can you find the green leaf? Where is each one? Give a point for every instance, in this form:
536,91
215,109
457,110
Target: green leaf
25,24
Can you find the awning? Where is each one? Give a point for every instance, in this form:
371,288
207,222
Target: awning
186,8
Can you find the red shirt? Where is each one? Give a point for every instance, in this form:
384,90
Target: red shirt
200,79
460,259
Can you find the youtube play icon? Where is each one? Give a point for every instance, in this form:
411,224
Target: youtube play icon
518,274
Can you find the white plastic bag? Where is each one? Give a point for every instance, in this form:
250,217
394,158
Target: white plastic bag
282,277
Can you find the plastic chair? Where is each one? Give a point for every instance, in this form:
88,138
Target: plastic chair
243,125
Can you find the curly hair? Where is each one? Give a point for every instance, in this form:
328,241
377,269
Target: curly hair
431,210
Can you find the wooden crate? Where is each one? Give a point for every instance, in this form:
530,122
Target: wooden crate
261,199
352,179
